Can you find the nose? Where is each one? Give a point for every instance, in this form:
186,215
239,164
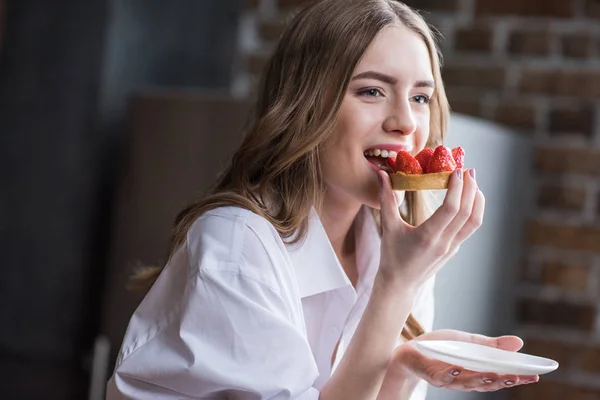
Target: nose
400,119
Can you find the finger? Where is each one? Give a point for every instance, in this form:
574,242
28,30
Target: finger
440,378
434,372
471,381
510,343
388,204
501,382
475,220
506,342
527,379
466,206
442,217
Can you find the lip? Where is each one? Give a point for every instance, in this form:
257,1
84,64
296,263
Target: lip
390,146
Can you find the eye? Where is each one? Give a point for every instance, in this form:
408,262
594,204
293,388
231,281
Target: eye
370,92
421,99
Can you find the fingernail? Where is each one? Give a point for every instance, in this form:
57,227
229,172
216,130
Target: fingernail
472,173
459,173
455,372
508,383
488,380
530,381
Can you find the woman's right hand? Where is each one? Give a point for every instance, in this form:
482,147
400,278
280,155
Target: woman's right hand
414,254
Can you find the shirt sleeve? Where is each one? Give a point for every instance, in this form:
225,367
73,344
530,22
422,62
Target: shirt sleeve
424,305
423,311
233,337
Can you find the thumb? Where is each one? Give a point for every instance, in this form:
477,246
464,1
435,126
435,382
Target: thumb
388,204
510,343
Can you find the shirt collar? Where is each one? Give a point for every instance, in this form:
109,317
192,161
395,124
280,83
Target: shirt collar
316,265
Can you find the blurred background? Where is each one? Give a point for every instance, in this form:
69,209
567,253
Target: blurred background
116,113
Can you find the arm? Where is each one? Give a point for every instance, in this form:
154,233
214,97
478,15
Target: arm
361,370
233,339
409,257
217,324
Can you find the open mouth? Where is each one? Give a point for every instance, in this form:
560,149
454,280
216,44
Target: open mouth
381,158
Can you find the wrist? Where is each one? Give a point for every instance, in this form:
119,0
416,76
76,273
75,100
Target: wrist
394,283
398,383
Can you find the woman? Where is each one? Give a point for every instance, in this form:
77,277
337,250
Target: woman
296,277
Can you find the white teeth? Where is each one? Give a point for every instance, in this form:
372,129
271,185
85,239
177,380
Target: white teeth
381,153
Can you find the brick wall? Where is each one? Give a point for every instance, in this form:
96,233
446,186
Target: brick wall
533,65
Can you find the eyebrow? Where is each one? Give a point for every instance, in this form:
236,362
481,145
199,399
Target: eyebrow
389,79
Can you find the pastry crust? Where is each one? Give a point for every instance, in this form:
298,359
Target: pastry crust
432,181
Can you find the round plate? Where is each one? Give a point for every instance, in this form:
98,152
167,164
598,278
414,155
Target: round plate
480,358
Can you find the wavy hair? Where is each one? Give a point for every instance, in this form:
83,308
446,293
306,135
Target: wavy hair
299,97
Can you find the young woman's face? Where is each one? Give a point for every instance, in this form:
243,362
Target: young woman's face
385,108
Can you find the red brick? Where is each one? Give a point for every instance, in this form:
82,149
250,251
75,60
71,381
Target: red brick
530,8
522,116
474,39
492,77
579,45
568,237
561,82
549,390
573,119
571,278
535,43
560,352
560,197
435,5
576,316
579,161
592,9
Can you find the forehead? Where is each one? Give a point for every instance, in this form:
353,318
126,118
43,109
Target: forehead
399,52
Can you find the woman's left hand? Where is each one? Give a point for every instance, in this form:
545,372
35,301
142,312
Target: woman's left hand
407,360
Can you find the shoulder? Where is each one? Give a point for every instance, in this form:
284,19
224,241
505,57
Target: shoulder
235,240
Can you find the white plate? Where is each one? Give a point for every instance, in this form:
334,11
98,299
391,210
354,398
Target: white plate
480,358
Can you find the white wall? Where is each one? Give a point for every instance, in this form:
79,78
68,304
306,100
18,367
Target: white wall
475,290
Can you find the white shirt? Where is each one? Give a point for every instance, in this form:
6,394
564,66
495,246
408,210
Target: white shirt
236,313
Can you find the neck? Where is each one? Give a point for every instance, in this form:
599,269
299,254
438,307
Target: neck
338,217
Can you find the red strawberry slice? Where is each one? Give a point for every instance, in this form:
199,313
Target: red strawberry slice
423,158
441,161
407,164
458,153
392,163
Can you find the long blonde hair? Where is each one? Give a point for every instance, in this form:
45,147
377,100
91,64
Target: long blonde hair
299,97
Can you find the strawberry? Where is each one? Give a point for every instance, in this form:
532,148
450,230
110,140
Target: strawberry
407,164
423,158
458,153
441,160
392,163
